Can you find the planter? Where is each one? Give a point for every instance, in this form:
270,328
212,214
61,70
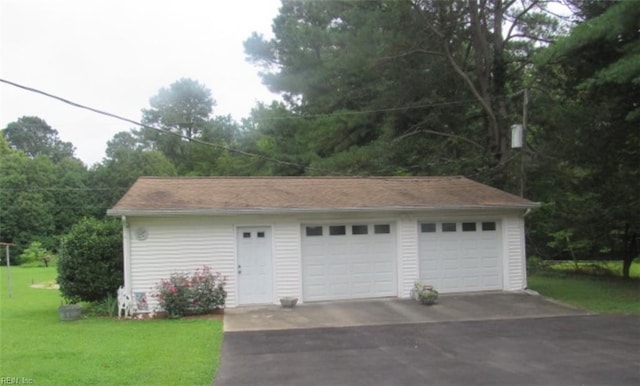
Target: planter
428,296
288,302
428,301
70,312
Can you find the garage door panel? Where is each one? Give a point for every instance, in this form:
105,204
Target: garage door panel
462,260
355,265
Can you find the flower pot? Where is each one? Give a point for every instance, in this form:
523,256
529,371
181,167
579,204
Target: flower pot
288,301
70,312
428,301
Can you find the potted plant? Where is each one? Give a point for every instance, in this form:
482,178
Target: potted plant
288,301
424,293
69,311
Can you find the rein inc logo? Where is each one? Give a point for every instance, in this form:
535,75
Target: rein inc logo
16,381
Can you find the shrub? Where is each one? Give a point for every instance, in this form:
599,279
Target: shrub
535,265
90,265
184,294
105,307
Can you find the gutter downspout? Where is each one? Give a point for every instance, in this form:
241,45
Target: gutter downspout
126,251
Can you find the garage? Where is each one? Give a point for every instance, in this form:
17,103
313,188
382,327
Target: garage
324,238
460,256
348,261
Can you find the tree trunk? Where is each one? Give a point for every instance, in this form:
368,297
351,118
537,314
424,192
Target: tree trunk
630,250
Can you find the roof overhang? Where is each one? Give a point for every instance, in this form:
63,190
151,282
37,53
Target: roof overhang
292,211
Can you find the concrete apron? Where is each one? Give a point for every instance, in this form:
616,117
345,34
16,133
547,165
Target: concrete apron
450,307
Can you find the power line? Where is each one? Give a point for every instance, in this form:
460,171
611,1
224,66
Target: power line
238,151
161,130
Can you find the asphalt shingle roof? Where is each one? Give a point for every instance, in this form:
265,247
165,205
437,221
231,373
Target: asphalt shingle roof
242,194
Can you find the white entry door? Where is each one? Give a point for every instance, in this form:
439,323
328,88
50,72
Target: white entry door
255,278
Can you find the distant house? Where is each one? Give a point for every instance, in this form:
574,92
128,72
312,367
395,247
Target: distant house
324,238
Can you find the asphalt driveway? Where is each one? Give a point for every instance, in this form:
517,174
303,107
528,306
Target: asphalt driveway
569,350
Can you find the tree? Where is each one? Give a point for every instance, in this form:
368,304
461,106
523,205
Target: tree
124,164
423,84
588,134
36,255
39,198
90,265
27,200
184,109
35,137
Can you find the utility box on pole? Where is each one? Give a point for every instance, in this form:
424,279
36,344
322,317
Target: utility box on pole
516,136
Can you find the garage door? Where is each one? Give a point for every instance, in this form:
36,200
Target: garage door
348,261
460,256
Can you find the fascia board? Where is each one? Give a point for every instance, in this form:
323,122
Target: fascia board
277,211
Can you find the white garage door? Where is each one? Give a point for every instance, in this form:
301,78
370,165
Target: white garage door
348,261
461,256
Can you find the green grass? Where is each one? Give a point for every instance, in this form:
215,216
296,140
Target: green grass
615,267
601,294
36,345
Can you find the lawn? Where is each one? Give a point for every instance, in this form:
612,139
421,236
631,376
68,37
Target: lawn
615,267
602,294
36,346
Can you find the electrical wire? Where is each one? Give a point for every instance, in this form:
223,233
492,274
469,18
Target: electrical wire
161,130
238,151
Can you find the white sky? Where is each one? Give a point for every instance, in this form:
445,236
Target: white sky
114,55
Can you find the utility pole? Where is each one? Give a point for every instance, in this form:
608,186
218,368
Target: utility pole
519,137
9,285
525,112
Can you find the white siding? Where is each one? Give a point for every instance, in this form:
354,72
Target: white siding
287,262
186,243
408,255
180,245
514,250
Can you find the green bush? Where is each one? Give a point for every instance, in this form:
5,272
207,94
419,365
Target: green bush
90,265
196,294
105,307
37,256
536,264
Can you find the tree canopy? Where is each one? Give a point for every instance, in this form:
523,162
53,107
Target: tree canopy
35,137
419,87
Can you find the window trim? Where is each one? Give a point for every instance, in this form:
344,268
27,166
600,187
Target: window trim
489,226
428,227
469,223
312,228
364,227
446,227
340,229
382,229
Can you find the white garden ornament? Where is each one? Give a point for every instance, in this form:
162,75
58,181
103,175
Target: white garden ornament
126,303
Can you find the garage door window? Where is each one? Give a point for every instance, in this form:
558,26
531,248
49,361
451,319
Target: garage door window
468,227
448,227
337,230
489,226
428,228
313,231
381,228
359,229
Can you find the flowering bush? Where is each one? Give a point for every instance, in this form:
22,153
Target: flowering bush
184,294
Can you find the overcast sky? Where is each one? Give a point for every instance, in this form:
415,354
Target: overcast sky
116,54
